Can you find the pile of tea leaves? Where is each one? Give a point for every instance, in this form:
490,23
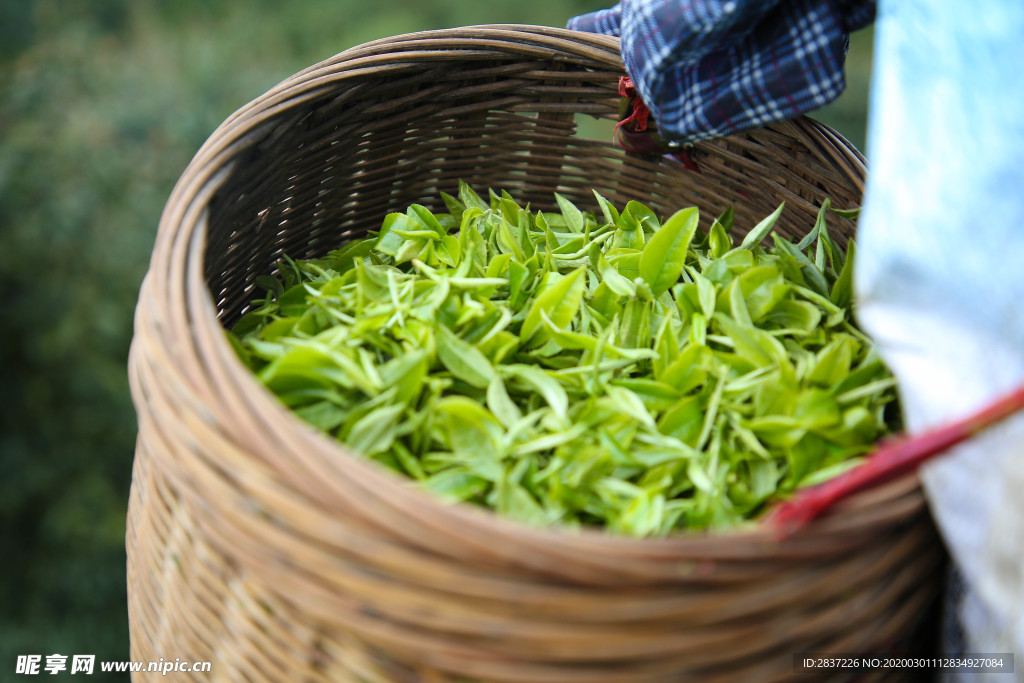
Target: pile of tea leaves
576,369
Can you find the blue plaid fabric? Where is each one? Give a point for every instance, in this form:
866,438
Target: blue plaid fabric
707,68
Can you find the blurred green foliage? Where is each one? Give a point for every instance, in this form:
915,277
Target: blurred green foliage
848,113
102,103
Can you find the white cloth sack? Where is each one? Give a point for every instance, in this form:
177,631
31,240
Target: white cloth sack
940,275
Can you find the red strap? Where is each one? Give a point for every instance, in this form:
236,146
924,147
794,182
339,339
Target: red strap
892,459
636,122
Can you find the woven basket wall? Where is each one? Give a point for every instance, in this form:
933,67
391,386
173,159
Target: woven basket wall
263,547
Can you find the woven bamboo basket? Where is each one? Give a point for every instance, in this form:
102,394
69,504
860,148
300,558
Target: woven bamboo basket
261,546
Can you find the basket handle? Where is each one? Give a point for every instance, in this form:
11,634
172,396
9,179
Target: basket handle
892,458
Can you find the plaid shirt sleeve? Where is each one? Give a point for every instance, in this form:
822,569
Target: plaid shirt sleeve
707,68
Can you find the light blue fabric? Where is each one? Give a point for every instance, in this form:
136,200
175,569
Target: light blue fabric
940,273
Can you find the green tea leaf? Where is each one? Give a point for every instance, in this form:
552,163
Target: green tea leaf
324,415
455,484
662,260
696,474
471,199
405,373
643,516
608,210
727,218
689,370
454,206
630,404
573,216
463,360
851,214
833,361
816,409
375,432
761,230
753,344
515,502
647,219
559,302
424,217
719,241
842,290
500,404
764,478
706,294
468,427
542,383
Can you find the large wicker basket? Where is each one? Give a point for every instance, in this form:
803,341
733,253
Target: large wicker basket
265,548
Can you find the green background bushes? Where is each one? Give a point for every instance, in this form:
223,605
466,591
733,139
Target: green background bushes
102,104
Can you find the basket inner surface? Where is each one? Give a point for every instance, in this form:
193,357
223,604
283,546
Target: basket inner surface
330,162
